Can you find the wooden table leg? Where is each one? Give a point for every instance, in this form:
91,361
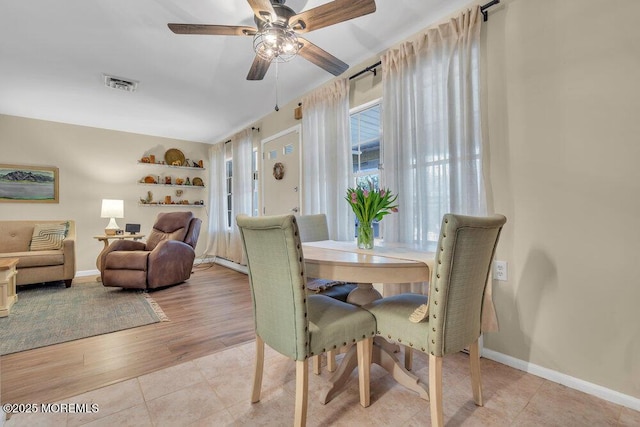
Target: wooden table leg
381,356
106,245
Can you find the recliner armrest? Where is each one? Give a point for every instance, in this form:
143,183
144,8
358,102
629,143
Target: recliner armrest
169,263
170,248
120,245
126,245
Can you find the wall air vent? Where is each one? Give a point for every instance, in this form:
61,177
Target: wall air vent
126,85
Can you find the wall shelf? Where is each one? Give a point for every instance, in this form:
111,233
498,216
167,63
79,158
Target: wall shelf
199,187
169,205
173,178
171,166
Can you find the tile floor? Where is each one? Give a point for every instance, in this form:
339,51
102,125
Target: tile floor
215,391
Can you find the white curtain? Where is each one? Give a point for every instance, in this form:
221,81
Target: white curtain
225,241
327,161
431,128
218,235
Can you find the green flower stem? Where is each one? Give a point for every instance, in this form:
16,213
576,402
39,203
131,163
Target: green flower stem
365,236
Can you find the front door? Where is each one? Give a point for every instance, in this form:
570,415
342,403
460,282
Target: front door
281,172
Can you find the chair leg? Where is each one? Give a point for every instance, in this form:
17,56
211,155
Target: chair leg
257,375
302,387
316,361
408,358
435,391
364,349
476,380
331,360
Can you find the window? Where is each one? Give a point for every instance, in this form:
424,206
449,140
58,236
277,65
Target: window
228,167
365,143
366,133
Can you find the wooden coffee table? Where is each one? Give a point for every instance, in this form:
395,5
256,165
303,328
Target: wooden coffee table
8,295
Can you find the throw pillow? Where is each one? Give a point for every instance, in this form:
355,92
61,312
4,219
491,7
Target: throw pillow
47,237
421,313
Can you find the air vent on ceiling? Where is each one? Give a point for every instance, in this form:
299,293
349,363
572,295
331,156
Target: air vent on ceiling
120,83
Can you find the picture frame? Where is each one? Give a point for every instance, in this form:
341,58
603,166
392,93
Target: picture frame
29,184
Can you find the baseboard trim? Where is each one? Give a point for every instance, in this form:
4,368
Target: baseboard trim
86,273
569,381
199,261
232,265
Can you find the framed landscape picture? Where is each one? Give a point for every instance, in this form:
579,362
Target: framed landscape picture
28,184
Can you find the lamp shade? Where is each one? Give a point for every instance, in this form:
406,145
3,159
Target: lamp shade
112,208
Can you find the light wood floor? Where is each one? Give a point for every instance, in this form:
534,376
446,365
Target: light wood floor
210,312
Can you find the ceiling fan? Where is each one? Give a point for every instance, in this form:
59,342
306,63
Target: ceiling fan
276,36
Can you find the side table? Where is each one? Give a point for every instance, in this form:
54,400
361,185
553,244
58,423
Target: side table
8,294
104,238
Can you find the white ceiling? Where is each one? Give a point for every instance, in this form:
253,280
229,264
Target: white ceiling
53,54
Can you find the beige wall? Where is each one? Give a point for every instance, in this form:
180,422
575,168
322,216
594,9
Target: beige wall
561,100
94,164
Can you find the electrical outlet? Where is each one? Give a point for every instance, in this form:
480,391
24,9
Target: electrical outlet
500,270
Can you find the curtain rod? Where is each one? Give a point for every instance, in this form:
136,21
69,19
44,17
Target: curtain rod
369,68
484,8
373,67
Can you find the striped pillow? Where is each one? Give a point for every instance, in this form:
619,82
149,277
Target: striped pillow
47,237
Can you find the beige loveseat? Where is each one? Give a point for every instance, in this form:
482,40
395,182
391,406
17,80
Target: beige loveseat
37,266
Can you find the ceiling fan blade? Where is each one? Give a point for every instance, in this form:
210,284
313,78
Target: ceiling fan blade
321,57
263,10
215,30
331,13
258,69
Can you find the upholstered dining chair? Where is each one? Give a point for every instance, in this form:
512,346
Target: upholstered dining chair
166,258
291,322
452,321
313,228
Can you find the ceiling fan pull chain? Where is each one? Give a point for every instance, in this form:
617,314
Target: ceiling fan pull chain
277,108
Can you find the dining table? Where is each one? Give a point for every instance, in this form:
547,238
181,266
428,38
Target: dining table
385,263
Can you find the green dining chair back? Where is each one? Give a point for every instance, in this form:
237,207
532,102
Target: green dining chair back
289,320
314,228
463,258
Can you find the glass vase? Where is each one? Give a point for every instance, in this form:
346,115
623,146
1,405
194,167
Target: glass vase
365,236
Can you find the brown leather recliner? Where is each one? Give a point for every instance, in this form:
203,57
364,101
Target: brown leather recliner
165,259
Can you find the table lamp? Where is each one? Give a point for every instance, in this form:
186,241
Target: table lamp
112,209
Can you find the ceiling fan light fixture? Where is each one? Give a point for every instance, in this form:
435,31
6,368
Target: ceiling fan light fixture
276,41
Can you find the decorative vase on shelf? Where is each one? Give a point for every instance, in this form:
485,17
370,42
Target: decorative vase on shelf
365,236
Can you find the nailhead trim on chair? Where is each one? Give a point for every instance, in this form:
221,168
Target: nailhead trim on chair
436,288
306,317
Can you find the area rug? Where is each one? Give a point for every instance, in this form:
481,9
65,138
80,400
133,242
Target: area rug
50,313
